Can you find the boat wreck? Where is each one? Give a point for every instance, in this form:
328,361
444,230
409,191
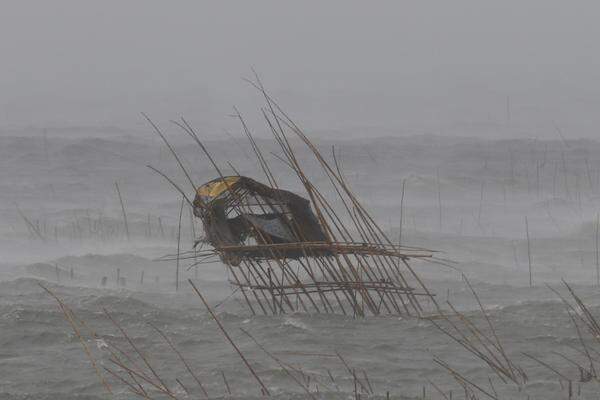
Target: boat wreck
288,253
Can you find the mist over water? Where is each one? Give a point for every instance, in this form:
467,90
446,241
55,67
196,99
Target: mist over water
485,189
442,68
486,113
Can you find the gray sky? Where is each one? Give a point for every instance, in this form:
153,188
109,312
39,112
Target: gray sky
434,66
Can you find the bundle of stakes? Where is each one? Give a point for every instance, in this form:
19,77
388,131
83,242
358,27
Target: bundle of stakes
354,269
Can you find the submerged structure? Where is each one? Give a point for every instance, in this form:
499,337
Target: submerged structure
287,253
244,218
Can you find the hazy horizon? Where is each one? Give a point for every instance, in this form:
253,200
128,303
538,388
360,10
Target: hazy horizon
429,254
397,67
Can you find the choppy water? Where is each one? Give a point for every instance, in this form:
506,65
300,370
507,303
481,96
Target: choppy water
41,358
482,229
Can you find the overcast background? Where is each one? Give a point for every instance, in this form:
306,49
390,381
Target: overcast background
429,92
378,68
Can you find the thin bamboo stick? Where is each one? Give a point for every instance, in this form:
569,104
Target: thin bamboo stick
123,210
528,252
260,382
178,247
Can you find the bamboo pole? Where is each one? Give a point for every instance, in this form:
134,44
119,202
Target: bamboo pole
178,247
596,253
401,213
220,325
70,317
32,227
528,252
123,210
439,195
480,203
183,360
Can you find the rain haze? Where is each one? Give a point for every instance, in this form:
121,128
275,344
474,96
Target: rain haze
434,66
322,200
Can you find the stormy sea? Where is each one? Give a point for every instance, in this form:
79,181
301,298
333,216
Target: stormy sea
514,218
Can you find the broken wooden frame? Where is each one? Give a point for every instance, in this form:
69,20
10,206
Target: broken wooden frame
329,262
